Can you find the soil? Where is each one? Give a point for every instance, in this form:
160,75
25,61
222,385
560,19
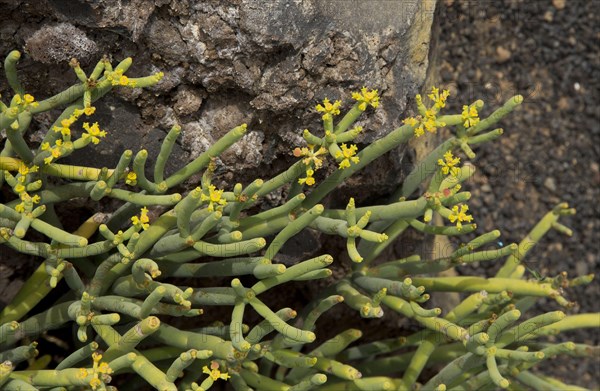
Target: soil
548,51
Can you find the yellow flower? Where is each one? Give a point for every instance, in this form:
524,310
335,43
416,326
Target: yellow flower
439,100
214,372
143,220
99,372
470,116
131,178
94,132
89,110
20,207
64,127
19,188
104,368
35,199
28,98
309,180
460,215
421,124
449,164
214,197
330,109
347,155
365,98
55,151
17,99
123,80
311,155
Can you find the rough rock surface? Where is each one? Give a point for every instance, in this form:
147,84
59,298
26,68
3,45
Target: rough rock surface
228,62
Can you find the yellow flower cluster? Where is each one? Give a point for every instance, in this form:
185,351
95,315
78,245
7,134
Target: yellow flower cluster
311,160
100,372
470,116
94,132
65,124
142,221
347,156
459,215
329,109
20,187
438,99
365,98
214,372
117,78
308,180
131,178
428,120
55,151
25,101
311,157
214,197
449,164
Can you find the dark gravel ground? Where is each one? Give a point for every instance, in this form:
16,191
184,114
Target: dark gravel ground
548,52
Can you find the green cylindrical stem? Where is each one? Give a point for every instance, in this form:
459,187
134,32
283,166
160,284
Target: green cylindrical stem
184,360
496,116
475,243
291,359
229,250
202,161
189,340
139,167
488,255
262,329
51,319
497,378
77,356
246,198
264,270
530,326
165,152
235,327
491,285
151,301
226,267
133,337
358,301
15,137
184,210
10,70
500,324
485,137
268,215
442,230
337,368
309,382
295,271
530,241
293,228
122,165
348,119
285,329
261,382
20,354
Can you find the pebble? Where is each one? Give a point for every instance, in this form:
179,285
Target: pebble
502,54
550,183
581,268
559,4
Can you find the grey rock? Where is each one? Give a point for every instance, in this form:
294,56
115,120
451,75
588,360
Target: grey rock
228,62
59,43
